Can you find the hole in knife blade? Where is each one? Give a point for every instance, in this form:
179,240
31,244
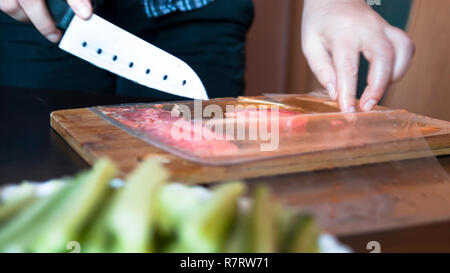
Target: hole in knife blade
184,82
114,58
147,71
84,44
99,51
131,65
165,77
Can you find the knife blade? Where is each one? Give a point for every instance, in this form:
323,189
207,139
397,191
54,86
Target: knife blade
109,47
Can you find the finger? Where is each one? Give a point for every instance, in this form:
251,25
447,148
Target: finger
404,51
82,8
381,56
13,9
39,15
321,64
346,61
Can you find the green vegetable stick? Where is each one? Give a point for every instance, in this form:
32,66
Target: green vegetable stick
238,241
303,236
97,240
176,203
263,236
18,197
130,220
65,221
207,229
16,234
22,196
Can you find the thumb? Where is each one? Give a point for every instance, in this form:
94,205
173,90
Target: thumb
82,8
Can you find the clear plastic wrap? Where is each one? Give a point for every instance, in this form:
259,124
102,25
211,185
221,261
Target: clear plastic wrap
229,131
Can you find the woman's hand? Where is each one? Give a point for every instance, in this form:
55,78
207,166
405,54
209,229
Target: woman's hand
335,32
36,11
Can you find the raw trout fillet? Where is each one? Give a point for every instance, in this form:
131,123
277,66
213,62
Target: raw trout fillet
176,132
207,138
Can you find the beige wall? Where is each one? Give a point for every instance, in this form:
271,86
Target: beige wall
275,62
426,88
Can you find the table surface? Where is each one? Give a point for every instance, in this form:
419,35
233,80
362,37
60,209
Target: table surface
31,150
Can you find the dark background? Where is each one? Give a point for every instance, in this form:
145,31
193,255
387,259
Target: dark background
29,148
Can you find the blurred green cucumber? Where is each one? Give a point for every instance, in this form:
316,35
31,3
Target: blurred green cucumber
263,234
127,223
207,229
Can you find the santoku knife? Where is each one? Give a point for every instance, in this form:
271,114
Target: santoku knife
120,52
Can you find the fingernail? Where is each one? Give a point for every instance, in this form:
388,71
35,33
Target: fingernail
369,105
83,10
331,91
351,109
53,37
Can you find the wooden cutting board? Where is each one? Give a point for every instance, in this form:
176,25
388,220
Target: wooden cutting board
93,138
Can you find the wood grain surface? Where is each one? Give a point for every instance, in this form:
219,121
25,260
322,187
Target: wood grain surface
93,137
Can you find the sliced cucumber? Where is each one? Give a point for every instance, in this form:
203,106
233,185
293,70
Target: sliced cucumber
207,229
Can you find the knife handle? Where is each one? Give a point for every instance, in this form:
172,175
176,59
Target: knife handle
61,12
